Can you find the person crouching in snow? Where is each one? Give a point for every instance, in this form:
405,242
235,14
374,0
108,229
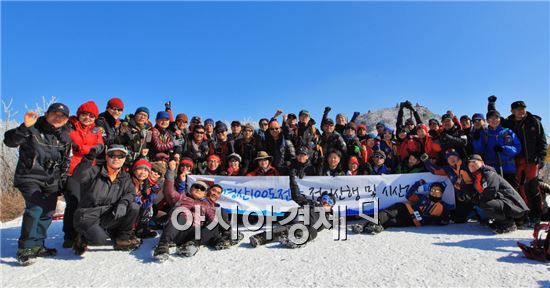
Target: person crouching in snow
317,209
106,202
196,202
497,197
419,210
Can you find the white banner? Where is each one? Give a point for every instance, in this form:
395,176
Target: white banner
260,192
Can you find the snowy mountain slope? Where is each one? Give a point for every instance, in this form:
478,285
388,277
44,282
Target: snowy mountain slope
453,255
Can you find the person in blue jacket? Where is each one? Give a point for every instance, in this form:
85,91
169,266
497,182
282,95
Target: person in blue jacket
499,146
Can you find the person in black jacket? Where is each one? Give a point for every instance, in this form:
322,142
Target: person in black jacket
530,132
497,198
109,122
321,208
281,149
106,207
44,158
302,165
452,137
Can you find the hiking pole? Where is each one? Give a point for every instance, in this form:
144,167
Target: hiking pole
500,164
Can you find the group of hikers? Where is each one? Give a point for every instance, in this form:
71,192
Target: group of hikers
123,179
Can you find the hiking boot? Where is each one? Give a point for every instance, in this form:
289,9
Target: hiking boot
373,228
506,228
161,252
46,252
125,244
80,246
188,249
68,243
223,244
257,240
285,241
357,228
26,256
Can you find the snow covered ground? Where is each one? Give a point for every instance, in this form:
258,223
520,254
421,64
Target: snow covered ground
454,255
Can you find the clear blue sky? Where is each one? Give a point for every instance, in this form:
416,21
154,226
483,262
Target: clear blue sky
235,60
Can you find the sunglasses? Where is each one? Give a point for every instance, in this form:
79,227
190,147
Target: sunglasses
199,187
186,166
199,132
378,157
116,156
263,124
116,109
274,129
219,132
477,120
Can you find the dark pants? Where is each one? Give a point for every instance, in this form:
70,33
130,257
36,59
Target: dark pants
501,213
120,228
462,211
284,230
171,234
396,215
37,216
71,194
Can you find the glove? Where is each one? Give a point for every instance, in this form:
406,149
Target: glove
357,150
498,148
168,105
95,151
356,114
408,104
120,211
492,98
327,109
312,122
401,105
422,181
424,157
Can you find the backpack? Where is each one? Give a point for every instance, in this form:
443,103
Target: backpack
539,248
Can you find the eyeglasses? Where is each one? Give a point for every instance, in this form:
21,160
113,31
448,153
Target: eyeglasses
116,109
378,157
181,121
199,132
116,156
199,187
477,120
248,131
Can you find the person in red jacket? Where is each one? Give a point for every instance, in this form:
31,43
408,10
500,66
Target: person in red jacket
406,144
84,135
264,166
